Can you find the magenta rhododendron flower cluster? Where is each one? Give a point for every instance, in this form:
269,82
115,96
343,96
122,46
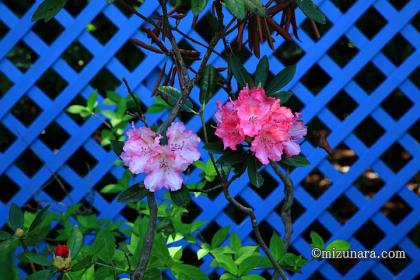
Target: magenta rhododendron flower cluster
143,153
271,128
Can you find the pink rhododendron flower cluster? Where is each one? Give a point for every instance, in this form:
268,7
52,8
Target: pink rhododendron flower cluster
143,153
272,128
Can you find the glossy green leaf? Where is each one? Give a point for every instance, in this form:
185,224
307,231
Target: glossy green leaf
339,245
252,277
235,242
4,235
316,240
248,264
15,217
202,253
277,246
171,96
104,246
38,259
239,71
187,272
214,147
232,157
236,7
262,71
40,275
255,6
255,178
296,161
208,84
133,194
48,9
75,241
112,188
312,11
117,147
219,237
197,6
283,96
77,109
91,101
181,197
281,79
39,218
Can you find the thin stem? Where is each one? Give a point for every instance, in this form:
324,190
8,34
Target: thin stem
287,205
219,186
203,123
111,267
139,112
26,250
148,241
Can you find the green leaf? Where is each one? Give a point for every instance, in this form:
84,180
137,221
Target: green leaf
255,6
181,197
239,72
152,274
297,161
208,84
76,109
224,261
104,246
91,101
202,253
39,218
117,147
82,264
219,237
214,147
255,178
252,277
284,96
4,235
187,272
48,9
277,246
248,264
235,242
40,275
311,10
232,157
8,264
15,217
197,6
316,240
133,194
339,245
261,73
75,241
38,259
281,79
112,188
236,7
158,106
171,96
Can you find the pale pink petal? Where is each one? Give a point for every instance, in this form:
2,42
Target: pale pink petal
291,148
155,180
173,181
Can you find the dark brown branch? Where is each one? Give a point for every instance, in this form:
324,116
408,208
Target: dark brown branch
148,240
139,111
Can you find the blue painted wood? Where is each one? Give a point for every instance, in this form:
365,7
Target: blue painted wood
314,106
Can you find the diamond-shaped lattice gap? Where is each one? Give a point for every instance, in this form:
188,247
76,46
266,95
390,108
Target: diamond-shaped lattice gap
8,188
129,214
269,185
396,265
316,183
7,138
5,84
414,234
48,31
343,5
193,211
234,213
316,276
343,209
51,83
414,184
102,28
130,56
57,189
107,179
266,231
369,131
22,56
295,104
104,81
315,79
77,56
206,26
398,4
3,29
369,235
74,7
315,126
318,228
396,104
396,209
414,131
415,21
28,162
190,257
415,77
371,22
208,232
87,205
19,8
54,136
343,51
369,183
82,162
297,209
26,110
343,265
342,105
322,28
369,276
396,157
369,78
343,158
289,53
398,49
243,54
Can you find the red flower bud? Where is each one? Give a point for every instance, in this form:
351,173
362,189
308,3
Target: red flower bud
62,251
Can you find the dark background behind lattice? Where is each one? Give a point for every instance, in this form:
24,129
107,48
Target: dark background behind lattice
359,82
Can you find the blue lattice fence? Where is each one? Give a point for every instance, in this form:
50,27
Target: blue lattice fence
369,82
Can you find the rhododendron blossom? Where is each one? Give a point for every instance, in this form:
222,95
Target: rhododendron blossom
272,129
143,153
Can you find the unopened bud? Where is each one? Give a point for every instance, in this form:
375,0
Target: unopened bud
62,258
19,232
